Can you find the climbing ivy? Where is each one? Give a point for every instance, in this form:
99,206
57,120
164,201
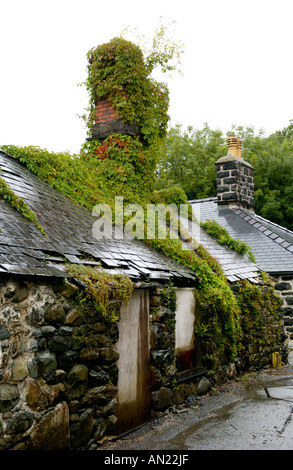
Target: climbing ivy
19,204
119,72
254,300
102,294
223,237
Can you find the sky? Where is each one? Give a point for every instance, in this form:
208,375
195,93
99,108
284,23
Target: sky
236,68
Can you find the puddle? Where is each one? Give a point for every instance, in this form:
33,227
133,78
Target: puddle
280,393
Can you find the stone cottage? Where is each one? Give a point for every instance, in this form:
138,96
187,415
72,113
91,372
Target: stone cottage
65,382
48,372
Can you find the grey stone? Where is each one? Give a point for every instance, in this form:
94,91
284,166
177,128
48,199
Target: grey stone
48,330
33,345
204,386
77,381
67,359
37,316
105,426
289,344
162,358
290,358
9,396
65,330
52,431
55,315
98,377
82,431
4,333
36,332
43,362
19,368
59,343
191,400
108,354
231,371
162,398
20,422
229,196
66,289
283,286
97,396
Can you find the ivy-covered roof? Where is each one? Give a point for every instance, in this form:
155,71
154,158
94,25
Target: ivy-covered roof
25,250
271,244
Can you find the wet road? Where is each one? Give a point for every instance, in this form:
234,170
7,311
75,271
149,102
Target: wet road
254,412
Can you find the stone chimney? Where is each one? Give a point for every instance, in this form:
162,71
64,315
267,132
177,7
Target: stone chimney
235,178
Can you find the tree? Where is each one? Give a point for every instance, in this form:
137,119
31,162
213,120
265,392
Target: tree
189,156
272,159
189,160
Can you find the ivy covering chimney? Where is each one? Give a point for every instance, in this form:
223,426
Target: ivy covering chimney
124,99
235,178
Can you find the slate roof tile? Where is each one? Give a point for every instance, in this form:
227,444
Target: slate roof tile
271,244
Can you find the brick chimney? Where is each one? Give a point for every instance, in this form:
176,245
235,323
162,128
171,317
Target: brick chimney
235,178
108,122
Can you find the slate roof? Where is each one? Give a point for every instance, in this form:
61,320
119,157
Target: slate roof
235,266
271,244
24,250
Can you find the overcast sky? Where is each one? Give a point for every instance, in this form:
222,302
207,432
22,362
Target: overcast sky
237,66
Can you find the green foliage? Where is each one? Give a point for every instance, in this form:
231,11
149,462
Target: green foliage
103,293
220,320
272,159
257,304
90,178
118,71
189,160
202,330
170,195
168,294
225,325
163,52
19,204
223,237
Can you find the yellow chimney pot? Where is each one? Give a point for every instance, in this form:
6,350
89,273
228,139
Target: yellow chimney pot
234,145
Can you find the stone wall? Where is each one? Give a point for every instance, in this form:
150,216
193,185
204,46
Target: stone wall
263,335
284,286
162,346
58,375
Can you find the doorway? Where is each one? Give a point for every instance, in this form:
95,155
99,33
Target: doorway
134,362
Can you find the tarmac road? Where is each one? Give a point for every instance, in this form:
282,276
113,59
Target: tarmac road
254,412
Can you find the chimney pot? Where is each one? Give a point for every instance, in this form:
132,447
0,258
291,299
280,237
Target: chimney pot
234,145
